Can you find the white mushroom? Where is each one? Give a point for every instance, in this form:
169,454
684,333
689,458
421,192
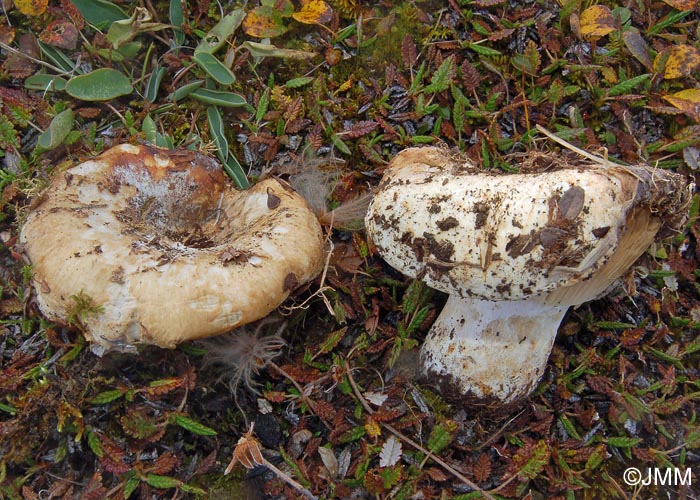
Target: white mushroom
164,249
514,252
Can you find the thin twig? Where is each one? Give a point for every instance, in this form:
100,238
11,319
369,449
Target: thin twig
287,479
408,440
9,48
304,397
594,158
247,453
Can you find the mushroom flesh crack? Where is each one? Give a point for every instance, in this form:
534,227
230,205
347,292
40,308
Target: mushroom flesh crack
513,251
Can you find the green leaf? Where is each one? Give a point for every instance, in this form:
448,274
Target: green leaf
58,130
8,409
130,486
162,482
100,12
353,434
194,427
95,444
667,21
149,129
263,105
623,442
483,50
537,457
665,357
268,50
193,489
442,77
185,90
442,435
107,397
235,172
595,459
417,320
338,143
177,19
154,83
217,36
625,87
332,340
219,98
99,85
214,68
415,297
614,325
45,83
59,59
123,31
216,128
295,83
569,427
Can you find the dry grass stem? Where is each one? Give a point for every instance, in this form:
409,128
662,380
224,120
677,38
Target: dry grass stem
247,453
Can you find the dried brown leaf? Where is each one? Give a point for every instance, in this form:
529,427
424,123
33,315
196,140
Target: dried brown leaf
358,129
436,474
409,54
165,463
19,66
470,76
683,4
482,468
293,109
73,13
60,33
206,464
638,47
94,490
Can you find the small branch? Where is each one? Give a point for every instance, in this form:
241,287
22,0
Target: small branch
409,441
9,48
287,479
247,453
304,397
568,145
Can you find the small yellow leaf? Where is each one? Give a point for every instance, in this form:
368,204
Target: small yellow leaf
264,22
596,21
31,7
314,12
373,428
677,61
688,101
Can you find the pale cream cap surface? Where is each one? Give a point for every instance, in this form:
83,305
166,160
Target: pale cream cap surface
166,247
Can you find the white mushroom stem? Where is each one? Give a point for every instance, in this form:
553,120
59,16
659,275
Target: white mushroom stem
493,351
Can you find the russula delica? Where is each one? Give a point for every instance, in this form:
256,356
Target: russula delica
513,251
165,248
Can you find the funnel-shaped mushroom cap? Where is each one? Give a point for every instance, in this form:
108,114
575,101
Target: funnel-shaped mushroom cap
496,236
164,249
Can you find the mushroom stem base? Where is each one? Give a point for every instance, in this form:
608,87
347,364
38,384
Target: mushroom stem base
490,353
